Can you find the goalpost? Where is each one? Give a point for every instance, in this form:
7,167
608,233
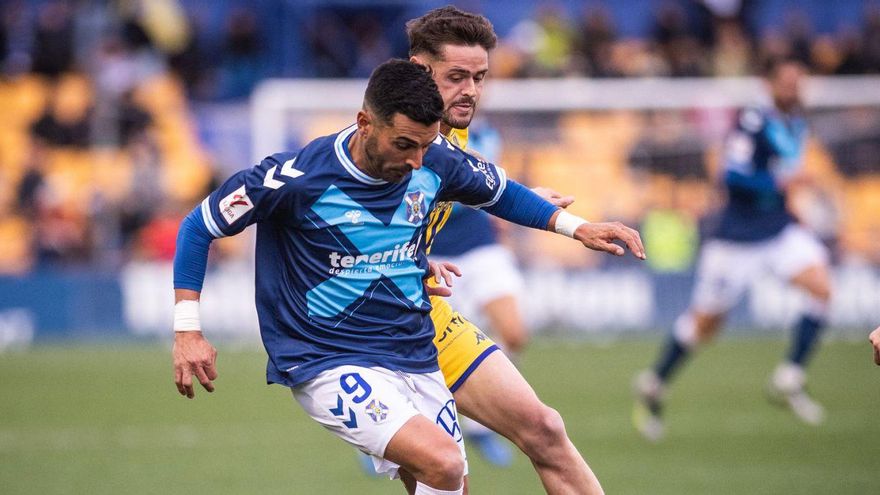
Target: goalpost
275,99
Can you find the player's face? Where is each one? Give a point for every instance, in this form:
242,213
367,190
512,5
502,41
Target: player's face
459,74
786,86
396,149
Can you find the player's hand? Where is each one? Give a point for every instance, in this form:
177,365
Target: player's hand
875,341
599,237
193,355
553,197
443,270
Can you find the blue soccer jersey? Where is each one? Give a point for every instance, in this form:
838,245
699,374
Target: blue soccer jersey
339,254
765,148
466,228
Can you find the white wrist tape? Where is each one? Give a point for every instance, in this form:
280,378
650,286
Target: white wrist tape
566,223
186,316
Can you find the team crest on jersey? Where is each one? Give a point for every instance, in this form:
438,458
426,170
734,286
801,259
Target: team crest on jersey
235,205
415,207
377,411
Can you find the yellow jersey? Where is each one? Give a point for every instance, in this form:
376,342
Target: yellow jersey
440,214
461,346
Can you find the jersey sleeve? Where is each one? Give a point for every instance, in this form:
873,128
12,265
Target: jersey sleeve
251,196
470,180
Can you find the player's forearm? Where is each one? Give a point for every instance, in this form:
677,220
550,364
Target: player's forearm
520,205
186,295
191,254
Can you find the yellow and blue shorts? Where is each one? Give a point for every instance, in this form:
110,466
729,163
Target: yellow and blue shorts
461,346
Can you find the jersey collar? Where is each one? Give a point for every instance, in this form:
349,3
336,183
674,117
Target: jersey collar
340,146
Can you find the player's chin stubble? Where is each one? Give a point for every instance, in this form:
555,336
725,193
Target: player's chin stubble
457,123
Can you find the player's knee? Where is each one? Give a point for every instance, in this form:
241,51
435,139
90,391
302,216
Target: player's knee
707,326
823,292
445,468
551,425
545,431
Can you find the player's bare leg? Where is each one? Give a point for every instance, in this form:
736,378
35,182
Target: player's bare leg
505,320
816,281
787,385
691,329
428,454
535,428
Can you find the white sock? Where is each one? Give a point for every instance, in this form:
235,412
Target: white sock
685,331
422,489
816,308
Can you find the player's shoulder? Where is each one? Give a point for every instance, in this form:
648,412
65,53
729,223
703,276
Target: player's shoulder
444,152
304,161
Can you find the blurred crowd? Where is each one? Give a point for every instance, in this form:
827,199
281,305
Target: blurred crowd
684,39
698,42
100,156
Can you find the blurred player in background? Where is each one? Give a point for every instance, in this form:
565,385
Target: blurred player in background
756,235
491,287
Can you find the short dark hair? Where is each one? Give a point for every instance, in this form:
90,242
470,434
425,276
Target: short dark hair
449,25
401,86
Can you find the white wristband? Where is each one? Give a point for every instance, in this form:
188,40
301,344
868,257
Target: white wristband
186,316
566,223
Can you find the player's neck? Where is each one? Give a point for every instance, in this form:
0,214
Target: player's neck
445,128
356,147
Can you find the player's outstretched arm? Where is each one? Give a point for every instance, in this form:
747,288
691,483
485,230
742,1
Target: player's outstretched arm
600,236
522,206
192,354
875,341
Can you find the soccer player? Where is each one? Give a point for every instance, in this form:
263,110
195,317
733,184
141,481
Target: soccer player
455,46
339,266
756,235
875,341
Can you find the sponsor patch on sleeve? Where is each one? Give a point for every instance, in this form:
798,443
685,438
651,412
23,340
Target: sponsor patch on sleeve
235,205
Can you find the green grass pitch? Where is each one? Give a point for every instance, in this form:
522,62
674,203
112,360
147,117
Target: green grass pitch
108,420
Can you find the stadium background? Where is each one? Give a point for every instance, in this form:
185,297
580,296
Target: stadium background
118,116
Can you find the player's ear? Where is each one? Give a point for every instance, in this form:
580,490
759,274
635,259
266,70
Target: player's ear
416,59
364,121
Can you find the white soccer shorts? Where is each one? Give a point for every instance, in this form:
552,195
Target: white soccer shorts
487,273
367,406
726,269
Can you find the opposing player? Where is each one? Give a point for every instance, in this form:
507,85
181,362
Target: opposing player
489,294
339,258
756,235
455,46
